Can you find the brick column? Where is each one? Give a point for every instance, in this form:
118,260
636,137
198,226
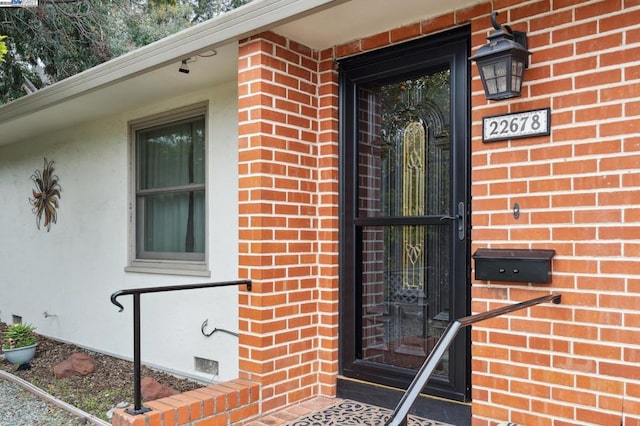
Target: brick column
328,295
280,197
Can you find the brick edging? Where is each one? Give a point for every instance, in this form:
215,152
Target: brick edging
220,404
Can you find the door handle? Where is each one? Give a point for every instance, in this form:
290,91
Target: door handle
460,219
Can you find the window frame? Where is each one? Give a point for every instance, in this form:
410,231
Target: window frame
158,262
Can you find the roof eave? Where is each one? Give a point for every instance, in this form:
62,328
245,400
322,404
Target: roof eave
230,27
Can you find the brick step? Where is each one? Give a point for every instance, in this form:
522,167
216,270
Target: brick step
215,405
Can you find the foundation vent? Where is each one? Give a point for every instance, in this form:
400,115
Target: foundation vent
204,365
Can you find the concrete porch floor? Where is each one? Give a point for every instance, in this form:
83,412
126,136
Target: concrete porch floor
323,411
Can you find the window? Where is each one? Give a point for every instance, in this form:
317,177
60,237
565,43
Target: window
170,170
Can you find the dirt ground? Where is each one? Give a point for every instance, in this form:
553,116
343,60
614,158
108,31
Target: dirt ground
96,393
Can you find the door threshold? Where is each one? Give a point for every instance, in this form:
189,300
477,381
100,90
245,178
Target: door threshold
439,409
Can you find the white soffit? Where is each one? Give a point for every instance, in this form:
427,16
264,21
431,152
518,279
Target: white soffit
140,89
361,18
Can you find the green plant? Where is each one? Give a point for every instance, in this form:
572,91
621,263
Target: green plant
3,48
18,336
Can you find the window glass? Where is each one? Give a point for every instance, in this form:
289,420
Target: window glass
174,223
170,189
171,155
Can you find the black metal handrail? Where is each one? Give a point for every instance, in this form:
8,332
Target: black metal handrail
136,292
401,412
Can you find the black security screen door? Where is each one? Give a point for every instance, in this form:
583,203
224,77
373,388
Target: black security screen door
404,194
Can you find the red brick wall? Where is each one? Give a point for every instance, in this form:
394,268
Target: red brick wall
578,194
577,189
288,219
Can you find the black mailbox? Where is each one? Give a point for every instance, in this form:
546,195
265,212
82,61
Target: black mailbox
519,265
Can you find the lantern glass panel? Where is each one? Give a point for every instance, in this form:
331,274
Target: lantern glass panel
517,69
501,68
488,76
487,70
501,72
492,87
502,84
495,75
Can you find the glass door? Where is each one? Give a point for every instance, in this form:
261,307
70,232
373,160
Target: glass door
405,194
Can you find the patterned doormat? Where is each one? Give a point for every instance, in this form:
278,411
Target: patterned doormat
352,413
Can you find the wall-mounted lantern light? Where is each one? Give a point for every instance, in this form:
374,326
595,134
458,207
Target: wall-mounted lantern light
502,61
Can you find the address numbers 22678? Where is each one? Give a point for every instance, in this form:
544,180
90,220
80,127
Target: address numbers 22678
516,125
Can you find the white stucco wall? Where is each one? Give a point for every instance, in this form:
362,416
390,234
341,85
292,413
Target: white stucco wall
72,270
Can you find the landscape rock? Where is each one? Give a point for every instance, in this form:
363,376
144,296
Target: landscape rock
78,364
151,389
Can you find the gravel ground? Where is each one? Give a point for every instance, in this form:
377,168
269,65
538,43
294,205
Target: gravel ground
96,393
19,407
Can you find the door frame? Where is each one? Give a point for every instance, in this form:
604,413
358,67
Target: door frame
409,58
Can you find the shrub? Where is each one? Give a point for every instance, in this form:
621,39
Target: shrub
18,336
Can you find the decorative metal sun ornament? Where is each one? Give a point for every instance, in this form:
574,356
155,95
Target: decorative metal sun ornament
46,195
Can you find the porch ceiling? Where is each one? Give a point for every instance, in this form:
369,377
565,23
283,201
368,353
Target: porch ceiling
361,18
151,73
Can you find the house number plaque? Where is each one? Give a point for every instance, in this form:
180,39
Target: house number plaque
517,125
